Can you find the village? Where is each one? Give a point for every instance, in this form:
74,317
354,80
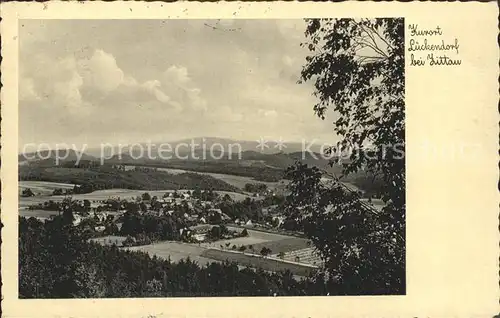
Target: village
204,225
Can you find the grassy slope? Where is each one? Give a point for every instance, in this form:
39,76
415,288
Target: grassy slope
124,179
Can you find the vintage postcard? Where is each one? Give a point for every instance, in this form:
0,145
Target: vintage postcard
249,159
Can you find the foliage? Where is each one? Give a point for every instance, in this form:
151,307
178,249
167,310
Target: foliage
27,193
155,227
248,209
146,196
265,251
357,67
57,261
105,177
255,187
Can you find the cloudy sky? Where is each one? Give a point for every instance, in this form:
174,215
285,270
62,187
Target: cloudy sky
123,81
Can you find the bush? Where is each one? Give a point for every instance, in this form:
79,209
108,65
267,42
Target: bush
129,241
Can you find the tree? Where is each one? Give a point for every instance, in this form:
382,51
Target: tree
129,241
153,288
86,204
357,68
227,198
265,251
146,196
27,193
215,233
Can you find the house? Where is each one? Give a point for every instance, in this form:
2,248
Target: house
202,228
99,228
77,219
206,204
200,237
101,216
94,206
200,232
279,220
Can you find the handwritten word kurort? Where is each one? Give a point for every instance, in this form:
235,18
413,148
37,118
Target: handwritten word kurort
414,31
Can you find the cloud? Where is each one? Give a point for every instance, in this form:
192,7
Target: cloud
178,83
176,74
98,82
101,72
144,74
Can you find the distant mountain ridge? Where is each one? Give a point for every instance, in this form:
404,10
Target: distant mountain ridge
216,144
208,151
48,156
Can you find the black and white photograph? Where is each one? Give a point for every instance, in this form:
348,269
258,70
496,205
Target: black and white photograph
211,157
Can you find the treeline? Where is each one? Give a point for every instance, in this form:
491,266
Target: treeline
232,167
247,209
57,261
79,189
152,228
105,177
255,187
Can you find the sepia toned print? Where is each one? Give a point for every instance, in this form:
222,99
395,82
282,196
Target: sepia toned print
188,158
249,159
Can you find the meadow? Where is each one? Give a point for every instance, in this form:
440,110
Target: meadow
45,189
255,261
175,251
234,180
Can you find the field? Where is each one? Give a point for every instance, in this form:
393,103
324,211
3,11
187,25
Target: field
236,181
43,187
105,177
46,188
176,251
266,264
39,214
206,253
285,245
255,238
